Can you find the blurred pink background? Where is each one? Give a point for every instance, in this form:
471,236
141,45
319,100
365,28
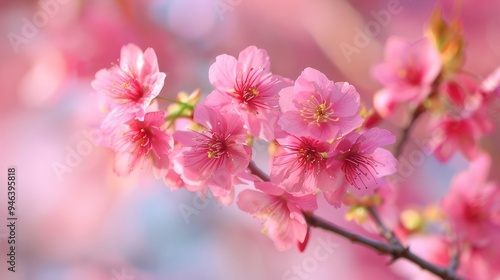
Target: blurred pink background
86,223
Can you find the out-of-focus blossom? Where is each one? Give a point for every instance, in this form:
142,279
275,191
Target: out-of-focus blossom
359,162
302,165
215,156
142,142
284,222
481,262
473,204
129,87
407,74
461,133
462,94
432,248
247,85
319,108
461,116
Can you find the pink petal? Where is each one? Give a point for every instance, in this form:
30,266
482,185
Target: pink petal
130,58
269,188
252,57
376,137
222,73
345,100
388,164
312,80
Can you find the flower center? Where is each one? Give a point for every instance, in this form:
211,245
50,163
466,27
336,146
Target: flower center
474,212
316,111
129,89
249,85
411,75
216,148
249,94
142,139
212,144
308,155
358,166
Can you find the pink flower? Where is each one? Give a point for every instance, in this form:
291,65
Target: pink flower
461,133
318,108
432,248
473,204
284,222
131,86
302,165
142,143
407,74
215,156
463,94
359,162
247,86
481,262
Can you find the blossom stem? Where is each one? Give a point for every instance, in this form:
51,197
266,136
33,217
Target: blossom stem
172,118
258,172
454,261
394,248
384,231
406,131
186,105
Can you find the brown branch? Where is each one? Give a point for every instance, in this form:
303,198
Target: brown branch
455,258
406,131
384,231
394,248
258,172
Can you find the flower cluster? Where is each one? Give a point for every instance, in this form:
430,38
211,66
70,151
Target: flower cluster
132,123
321,144
425,82
424,78
315,123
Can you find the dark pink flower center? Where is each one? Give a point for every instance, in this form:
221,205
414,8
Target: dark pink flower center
411,75
142,139
249,85
317,111
357,165
127,88
214,145
309,152
474,212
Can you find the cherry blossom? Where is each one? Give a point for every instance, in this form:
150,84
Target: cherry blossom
283,221
247,85
473,203
407,74
216,155
319,108
359,162
129,87
460,133
143,142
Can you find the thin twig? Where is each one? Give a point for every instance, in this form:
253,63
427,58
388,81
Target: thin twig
454,260
384,231
258,172
394,248
406,132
